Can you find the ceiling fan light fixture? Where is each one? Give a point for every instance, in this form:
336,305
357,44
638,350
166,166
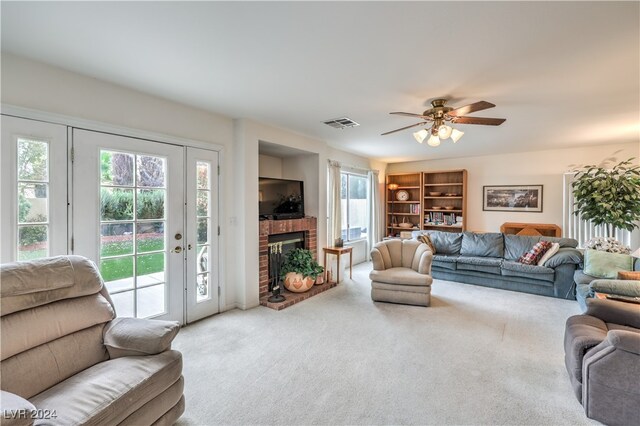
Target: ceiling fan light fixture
444,131
456,135
421,135
434,141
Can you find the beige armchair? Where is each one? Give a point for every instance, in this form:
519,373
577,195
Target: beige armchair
401,272
67,360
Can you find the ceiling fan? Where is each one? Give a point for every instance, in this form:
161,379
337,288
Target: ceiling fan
439,115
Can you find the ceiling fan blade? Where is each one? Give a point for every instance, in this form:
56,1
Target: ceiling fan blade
410,114
404,128
479,120
467,109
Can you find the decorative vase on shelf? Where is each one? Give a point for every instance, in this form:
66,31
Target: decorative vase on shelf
296,283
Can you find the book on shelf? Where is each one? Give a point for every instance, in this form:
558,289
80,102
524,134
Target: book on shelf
440,218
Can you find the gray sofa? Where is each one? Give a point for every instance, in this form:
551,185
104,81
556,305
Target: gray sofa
66,358
587,286
490,259
602,356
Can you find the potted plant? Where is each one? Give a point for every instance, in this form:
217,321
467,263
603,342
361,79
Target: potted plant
299,270
609,198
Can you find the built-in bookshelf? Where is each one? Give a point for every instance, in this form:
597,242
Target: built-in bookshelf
444,200
399,211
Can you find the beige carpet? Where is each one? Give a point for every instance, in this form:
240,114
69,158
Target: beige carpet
476,356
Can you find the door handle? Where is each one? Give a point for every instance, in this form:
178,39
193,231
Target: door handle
178,249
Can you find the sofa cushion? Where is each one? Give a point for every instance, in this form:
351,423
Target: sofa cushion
30,372
489,244
564,256
602,264
446,242
564,242
33,327
445,261
425,289
515,245
85,280
490,265
110,391
517,269
404,276
579,277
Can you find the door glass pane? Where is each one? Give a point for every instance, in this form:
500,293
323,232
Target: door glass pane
133,246
116,204
116,168
124,304
117,273
32,242
150,236
150,301
151,171
33,160
33,199
150,203
116,239
203,199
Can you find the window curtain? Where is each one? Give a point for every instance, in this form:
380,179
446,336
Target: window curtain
373,231
334,227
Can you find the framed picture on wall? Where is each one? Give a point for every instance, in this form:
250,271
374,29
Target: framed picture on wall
512,198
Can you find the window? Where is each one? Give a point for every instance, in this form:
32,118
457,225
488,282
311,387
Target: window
353,192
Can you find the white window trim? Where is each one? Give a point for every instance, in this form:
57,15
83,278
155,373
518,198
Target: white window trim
352,173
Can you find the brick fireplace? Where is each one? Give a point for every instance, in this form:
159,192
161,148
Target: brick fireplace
308,226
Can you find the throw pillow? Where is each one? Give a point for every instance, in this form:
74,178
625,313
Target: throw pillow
553,250
629,275
424,238
602,264
532,257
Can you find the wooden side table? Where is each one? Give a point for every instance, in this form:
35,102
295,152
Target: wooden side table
338,251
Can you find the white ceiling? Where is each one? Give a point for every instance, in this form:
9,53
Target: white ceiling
562,74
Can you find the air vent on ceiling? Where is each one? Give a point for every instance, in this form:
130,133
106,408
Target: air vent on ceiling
341,123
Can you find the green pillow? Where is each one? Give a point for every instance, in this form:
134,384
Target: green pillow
603,264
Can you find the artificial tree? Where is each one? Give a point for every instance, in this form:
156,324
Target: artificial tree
609,197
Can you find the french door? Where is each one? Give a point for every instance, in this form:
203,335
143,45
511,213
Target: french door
146,212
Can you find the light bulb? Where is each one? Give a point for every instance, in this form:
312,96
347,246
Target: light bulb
421,135
456,135
433,141
444,131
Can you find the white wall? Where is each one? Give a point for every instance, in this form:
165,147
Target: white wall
269,166
527,168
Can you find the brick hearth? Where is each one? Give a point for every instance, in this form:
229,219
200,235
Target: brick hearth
308,225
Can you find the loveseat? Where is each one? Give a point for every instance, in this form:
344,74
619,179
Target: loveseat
491,259
602,356
67,360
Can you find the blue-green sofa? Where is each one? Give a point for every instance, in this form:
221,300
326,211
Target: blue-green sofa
490,259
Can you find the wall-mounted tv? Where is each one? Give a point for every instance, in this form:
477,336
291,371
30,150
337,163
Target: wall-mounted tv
281,198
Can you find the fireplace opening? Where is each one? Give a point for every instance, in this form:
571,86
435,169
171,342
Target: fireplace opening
289,241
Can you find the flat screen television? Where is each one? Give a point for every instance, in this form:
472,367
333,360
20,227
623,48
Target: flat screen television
281,198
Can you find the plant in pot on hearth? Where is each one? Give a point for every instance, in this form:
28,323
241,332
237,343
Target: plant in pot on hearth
609,198
300,270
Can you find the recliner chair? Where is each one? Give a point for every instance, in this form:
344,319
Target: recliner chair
602,356
67,360
401,272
